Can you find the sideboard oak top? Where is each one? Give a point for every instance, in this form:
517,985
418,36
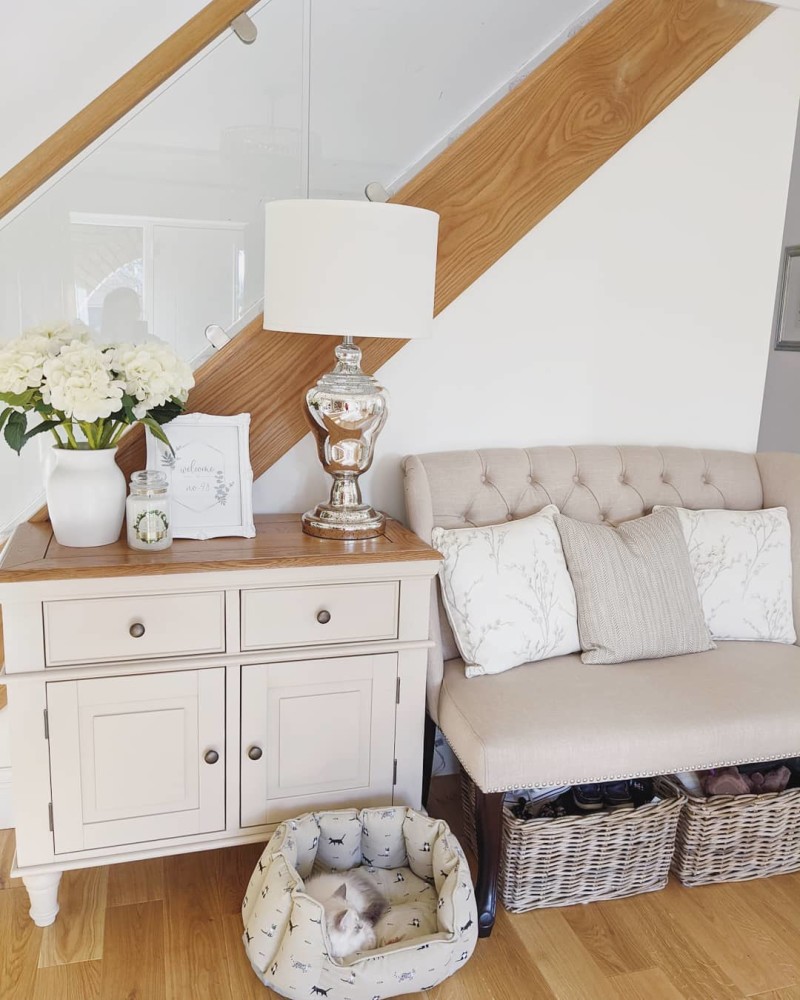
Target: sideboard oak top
32,553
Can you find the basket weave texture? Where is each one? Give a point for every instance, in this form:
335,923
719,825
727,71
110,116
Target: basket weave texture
730,838
582,859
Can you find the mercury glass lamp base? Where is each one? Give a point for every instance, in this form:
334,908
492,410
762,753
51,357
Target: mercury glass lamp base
346,523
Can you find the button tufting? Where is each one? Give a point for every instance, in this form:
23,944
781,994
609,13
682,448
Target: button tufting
576,479
509,517
483,479
623,478
530,479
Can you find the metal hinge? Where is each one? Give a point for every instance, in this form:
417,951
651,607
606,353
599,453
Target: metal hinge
397,697
50,814
46,726
394,774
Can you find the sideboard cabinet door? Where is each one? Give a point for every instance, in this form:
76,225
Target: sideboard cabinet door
137,758
317,734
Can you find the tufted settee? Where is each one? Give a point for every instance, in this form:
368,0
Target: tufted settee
558,721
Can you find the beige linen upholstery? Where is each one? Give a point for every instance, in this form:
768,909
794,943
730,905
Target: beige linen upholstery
559,722
511,743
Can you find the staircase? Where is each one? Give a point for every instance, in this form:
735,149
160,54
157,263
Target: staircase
154,193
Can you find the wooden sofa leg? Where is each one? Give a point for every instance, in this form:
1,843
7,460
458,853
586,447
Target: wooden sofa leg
489,829
429,747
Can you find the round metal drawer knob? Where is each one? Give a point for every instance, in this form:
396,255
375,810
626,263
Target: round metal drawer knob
255,753
211,756
324,617
136,630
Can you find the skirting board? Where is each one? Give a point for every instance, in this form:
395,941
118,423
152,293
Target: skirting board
6,814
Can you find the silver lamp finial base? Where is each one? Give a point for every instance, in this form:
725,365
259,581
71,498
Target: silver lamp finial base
327,521
346,409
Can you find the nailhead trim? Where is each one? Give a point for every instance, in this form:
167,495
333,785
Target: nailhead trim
678,769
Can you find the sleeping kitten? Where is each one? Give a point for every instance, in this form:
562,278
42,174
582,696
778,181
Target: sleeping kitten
353,905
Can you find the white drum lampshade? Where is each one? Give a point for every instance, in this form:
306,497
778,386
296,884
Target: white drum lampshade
348,269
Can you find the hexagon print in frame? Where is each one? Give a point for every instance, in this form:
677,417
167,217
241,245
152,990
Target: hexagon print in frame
210,476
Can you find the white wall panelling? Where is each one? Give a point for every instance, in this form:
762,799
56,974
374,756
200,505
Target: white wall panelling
639,310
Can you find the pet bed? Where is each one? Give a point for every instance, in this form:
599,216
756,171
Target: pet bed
415,861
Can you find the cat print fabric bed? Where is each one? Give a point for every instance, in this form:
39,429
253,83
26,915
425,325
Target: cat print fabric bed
414,862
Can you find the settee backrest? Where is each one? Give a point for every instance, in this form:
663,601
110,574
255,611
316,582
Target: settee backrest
598,483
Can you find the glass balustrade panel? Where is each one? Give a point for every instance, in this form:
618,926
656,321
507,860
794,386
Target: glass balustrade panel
158,230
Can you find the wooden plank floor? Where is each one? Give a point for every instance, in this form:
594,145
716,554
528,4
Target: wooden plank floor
170,930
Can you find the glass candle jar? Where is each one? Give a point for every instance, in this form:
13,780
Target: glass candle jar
148,512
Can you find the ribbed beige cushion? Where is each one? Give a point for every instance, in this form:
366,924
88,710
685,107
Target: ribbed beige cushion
635,589
556,722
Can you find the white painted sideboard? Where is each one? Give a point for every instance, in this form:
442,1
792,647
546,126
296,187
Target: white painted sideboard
170,702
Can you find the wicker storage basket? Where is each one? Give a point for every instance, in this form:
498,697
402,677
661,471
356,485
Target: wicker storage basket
729,838
581,859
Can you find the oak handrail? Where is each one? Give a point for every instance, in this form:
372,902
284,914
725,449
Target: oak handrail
116,101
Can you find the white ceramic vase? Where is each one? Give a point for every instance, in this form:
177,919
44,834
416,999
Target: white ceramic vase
85,496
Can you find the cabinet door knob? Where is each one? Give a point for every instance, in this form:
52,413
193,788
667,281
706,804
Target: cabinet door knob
136,630
211,756
254,753
323,617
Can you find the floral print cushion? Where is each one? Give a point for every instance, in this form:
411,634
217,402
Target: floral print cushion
507,592
742,565
419,866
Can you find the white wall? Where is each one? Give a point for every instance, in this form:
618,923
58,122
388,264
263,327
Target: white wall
639,311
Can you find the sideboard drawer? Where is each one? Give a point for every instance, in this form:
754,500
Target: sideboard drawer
133,628
300,616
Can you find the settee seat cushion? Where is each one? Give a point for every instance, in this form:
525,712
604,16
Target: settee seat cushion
562,722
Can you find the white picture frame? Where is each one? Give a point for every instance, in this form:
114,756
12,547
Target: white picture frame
210,476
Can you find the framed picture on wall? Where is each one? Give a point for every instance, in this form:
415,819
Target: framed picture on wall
210,476
787,329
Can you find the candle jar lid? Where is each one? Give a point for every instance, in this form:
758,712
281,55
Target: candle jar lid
148,482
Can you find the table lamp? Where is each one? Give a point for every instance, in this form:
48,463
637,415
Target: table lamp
348,269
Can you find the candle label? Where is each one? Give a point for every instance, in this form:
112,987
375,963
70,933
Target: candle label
151,526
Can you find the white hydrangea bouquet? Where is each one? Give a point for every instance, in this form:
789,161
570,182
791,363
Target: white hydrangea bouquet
86,394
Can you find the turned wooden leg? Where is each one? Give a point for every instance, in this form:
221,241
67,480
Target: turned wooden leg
429,747
43,894
489,830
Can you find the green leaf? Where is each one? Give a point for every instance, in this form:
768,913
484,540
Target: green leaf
4,416
124,414
156,431
163,414
42,428
18,398
15,429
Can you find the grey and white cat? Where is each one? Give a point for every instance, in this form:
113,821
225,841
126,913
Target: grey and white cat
353,906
